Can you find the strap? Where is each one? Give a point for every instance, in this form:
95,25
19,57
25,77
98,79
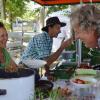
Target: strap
7,58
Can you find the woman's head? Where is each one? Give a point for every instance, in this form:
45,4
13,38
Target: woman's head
86,24
3,35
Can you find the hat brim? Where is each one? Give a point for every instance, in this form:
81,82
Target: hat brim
46,27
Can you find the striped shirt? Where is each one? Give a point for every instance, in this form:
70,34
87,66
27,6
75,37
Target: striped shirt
39,47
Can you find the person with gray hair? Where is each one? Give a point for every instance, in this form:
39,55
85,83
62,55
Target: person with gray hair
85,23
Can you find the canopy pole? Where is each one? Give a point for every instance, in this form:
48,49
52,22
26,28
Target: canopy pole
3,16
42,17
79,52
79,46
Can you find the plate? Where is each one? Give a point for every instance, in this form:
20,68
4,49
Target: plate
35,63
86,81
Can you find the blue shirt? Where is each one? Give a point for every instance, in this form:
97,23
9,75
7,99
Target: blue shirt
39,47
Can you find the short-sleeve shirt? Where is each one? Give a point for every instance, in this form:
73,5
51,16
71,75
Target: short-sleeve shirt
39,47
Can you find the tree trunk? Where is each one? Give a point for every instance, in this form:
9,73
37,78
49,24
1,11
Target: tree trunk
3,15
42,17
11,22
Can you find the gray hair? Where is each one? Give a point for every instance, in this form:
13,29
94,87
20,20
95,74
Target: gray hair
86,17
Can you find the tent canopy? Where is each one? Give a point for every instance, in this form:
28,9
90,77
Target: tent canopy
54,2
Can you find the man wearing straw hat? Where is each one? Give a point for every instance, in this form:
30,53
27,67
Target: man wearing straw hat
40,45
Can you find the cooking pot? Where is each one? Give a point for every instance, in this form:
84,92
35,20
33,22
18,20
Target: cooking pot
18,85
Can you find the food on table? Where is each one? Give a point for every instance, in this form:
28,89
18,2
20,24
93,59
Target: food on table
80,81
64,91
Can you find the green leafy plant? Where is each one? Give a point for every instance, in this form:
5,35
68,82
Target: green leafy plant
40,94
52,95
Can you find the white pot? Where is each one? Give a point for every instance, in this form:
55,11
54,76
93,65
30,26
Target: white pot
21,88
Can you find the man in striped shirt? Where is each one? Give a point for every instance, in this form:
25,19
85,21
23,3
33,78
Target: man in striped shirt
40,45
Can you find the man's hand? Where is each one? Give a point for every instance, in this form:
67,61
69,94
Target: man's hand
46,70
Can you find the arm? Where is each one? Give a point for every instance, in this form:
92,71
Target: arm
55,55
10,65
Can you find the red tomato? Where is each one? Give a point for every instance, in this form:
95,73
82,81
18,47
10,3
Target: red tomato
79,81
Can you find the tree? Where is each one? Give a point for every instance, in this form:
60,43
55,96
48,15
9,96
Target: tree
50,9
14,9
56,8
2,9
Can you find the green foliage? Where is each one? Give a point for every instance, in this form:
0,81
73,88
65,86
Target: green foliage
15,8
52,95
29,15
40,94
50,9
95,58
55,94
56,8
36,12
6,24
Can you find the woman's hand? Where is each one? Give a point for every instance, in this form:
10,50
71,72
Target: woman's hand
12,67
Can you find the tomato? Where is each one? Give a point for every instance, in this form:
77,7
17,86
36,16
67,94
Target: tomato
79,81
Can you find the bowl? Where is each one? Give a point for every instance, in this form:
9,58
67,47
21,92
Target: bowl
34,63
64,71
43,87
83,82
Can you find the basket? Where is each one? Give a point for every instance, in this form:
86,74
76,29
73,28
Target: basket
64,71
